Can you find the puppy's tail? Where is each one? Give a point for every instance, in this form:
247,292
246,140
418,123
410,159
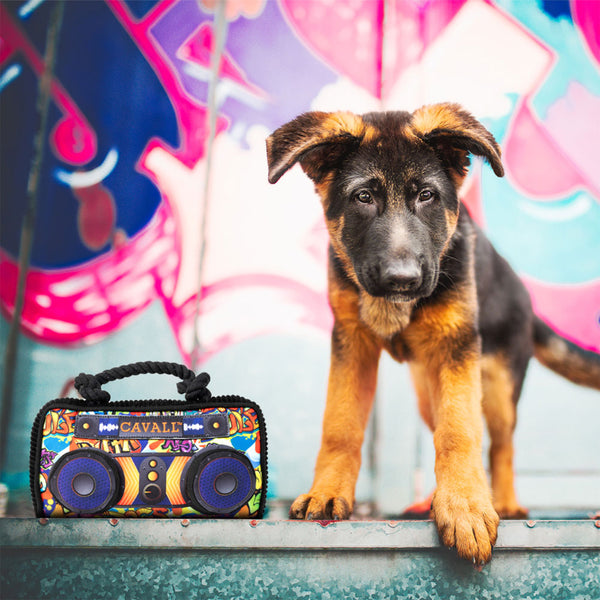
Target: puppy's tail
565,358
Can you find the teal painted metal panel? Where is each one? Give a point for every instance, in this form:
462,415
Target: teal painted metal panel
281,559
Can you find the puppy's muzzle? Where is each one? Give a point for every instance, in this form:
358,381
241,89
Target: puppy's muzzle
394,277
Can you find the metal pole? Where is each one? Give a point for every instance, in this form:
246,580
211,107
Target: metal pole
220,35
27,231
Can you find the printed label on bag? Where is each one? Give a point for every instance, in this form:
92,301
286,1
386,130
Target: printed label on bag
151,427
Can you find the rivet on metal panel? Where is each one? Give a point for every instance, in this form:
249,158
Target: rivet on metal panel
185,522
43,521
114,522
530,524
253,523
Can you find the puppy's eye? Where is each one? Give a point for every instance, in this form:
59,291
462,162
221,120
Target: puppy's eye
426,196
364,196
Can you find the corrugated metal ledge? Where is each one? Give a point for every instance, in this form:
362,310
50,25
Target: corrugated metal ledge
129,559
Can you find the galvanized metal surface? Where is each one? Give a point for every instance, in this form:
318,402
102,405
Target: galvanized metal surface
270,535
150,559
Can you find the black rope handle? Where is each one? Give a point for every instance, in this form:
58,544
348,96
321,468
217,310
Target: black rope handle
192,385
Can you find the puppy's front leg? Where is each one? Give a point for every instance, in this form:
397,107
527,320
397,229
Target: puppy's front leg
352,380
462,504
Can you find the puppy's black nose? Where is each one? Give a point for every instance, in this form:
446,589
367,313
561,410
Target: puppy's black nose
401,276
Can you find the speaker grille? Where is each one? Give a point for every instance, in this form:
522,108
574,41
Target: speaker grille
85,482
223,481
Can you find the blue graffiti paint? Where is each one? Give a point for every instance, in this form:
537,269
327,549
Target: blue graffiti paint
554,241
123,100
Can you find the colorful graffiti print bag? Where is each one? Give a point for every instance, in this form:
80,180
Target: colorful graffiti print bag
198,457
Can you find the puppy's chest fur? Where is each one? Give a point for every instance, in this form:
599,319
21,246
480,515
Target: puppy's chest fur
388,321
384,318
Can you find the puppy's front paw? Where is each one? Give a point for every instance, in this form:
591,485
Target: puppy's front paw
467,522
316,506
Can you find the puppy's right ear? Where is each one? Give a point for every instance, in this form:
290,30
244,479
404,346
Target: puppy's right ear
317,140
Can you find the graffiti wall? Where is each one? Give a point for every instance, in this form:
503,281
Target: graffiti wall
118,240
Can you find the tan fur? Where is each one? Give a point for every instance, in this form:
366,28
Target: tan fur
435,116
384,318
424,394
451,405
440,336
556,356
340,123
499,411
500,415
449,395
323,186
331,126
439,339
451,117
451,222
350,393
459,178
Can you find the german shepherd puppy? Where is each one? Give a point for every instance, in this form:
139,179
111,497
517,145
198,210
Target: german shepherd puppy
411,273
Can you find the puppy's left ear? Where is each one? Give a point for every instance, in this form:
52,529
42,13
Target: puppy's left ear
453,133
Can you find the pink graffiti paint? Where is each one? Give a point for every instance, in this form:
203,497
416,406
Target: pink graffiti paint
349,36
88,302
568,121
286,305
536,163
586,15
573,310
346,35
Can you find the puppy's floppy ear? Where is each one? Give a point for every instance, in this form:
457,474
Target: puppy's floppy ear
317,140
453,133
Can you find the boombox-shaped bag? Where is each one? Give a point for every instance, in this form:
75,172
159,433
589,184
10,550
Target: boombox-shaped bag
202,457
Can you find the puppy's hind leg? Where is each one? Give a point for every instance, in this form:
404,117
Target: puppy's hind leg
418,375
499,408
421,507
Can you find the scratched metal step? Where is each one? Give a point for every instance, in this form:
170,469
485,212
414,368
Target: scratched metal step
220,559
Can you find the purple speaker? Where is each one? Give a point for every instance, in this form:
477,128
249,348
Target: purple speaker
86,481
219,481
